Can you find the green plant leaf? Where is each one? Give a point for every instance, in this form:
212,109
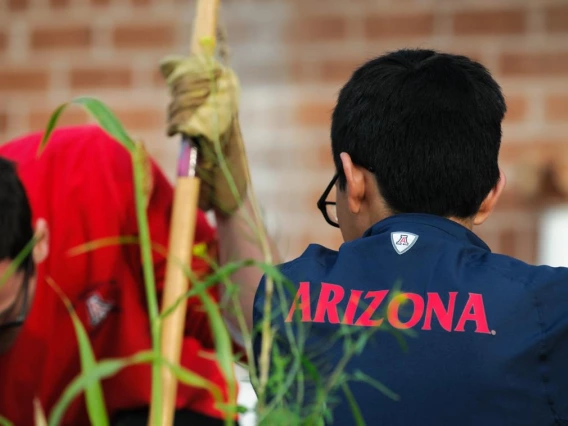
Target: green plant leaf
51,126
93,391
357,416
110,367
222,340
18,260
102,114
362,377
112,241
39,414
102,370
5,422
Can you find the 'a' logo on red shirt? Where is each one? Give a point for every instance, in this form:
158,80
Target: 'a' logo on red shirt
98,309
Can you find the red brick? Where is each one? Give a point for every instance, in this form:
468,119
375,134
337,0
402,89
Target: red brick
86,78
3,41
314,114
338,70
301,70
317,28
59,3
535,64
14,5
508,241
157,78
73,115
556,107
407,25
144,36
490,22
3,121
142,118
516,108
23,79
324,157
61,37
556,19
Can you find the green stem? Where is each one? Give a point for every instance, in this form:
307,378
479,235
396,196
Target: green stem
149,279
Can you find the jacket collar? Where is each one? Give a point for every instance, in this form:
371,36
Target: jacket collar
417,221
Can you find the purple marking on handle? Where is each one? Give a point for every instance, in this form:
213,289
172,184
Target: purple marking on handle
183,159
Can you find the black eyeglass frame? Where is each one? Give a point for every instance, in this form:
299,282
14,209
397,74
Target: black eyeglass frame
28,273
322,202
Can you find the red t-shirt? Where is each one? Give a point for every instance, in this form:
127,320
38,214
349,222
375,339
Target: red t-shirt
82,185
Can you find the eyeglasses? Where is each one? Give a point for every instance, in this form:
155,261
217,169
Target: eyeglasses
21,299
329,208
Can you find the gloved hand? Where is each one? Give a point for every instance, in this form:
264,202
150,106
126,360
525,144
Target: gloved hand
204,106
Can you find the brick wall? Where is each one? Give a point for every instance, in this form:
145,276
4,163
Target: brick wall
292,57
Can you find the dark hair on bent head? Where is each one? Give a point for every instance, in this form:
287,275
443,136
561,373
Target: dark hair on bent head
428,125
15,215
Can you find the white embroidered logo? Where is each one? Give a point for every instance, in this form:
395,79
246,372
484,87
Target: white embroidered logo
403,241
98,309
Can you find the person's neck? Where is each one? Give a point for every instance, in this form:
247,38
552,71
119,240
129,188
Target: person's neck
382,212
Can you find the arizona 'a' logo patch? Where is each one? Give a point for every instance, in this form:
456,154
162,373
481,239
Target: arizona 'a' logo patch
98,309
403,241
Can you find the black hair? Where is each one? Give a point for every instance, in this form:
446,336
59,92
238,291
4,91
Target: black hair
16,229
428,125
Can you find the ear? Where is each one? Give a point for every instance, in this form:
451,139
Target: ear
41,249
491,200
355,178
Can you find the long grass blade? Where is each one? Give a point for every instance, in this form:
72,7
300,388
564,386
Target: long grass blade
100,112
362,377
18,260
39,415
5,422
357,416
96,408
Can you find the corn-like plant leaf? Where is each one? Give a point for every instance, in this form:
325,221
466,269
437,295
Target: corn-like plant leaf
222,340
190,378
102,370
199,287
112,241
139,170
110,367
18,260
93,392
357,416
5,422
104,117
39,415
362,377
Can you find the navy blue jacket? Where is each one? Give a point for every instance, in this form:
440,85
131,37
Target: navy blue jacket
457,335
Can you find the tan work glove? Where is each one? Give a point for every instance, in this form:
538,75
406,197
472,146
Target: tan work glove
205,108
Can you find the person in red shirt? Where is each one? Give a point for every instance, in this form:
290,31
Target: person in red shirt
80,189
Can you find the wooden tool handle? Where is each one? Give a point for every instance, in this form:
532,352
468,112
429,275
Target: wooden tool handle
205,24
182,233
181,238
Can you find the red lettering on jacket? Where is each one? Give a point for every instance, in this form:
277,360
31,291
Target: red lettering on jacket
325,304
474,311
302,296
445,316
332,294
365,318
352,305
394,305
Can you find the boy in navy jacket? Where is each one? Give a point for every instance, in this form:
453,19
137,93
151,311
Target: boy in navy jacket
415,139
